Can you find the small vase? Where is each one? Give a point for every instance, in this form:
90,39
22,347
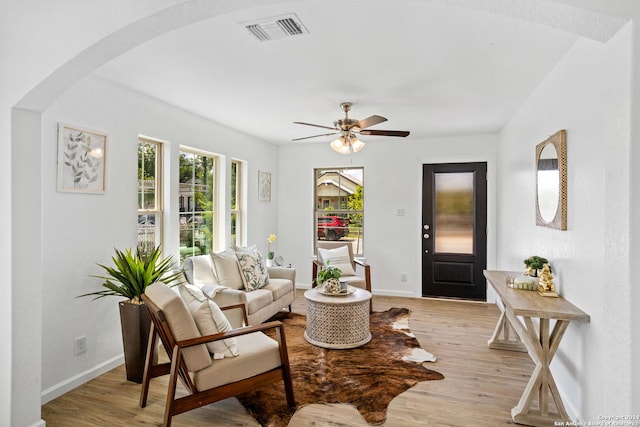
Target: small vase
269,262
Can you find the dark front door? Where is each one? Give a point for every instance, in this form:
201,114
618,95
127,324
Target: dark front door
454,230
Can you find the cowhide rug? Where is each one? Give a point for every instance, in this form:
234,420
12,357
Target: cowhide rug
368,377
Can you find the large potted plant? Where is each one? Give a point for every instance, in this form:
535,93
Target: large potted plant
128,278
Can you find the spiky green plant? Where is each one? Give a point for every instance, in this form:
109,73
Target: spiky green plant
134,272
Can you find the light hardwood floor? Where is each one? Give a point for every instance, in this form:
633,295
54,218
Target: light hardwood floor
480,386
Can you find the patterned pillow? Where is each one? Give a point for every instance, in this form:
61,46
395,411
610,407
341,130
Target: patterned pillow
210,320
253,271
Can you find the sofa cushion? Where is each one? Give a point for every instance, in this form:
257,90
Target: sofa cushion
210,320
338,257
253,270
279,287
180,323
227,270
258,299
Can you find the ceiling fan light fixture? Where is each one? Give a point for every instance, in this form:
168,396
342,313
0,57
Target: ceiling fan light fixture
356,144
338,144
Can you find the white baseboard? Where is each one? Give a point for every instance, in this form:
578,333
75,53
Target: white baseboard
39,423
406,294
75,381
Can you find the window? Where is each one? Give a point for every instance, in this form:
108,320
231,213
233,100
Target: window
339,206
236,203
149,195
196,200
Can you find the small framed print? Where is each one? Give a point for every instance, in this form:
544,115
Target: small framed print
82,162
264,186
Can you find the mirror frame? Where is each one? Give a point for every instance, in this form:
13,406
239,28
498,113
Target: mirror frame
559,141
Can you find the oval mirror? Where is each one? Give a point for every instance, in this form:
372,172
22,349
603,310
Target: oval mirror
548,183
551,182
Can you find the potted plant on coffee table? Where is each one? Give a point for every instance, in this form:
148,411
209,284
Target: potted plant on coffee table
128,278
329,278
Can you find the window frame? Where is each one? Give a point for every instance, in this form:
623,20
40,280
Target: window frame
214,238
321,205
158,208
237,234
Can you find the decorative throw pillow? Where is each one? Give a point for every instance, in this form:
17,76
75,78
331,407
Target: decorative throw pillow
254,272
210,320
338,257
227,270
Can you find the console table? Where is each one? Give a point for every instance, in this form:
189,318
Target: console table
540,342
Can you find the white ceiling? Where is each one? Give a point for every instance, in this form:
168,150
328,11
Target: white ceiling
427,67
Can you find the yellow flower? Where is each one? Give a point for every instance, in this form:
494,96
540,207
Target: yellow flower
271,238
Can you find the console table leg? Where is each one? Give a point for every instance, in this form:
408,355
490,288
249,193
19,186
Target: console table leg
542,346
505,337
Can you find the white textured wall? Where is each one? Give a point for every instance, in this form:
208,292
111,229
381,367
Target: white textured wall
82,229
588,95
392,180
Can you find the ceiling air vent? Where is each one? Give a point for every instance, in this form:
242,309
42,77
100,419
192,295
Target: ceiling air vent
276,28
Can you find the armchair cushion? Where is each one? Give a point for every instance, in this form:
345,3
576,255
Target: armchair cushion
338,257
258,353
210,320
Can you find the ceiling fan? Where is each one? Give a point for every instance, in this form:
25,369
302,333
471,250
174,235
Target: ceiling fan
347,142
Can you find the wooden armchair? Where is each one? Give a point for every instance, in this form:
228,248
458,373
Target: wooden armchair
260,360
340,254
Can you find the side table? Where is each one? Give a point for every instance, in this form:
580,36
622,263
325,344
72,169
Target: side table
337,322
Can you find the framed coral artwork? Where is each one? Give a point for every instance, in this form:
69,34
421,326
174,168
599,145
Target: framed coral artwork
82,155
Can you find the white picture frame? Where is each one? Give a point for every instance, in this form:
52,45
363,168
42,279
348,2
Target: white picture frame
264,186
82,160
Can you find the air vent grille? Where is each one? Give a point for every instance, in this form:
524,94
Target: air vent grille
276,28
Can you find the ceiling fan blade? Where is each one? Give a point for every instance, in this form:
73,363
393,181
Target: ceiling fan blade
318,126
370,121
401,133
315,136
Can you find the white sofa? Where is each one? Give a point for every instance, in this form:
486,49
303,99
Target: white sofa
221,282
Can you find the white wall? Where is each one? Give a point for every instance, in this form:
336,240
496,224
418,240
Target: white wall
588,94
80,230
392,180
34,45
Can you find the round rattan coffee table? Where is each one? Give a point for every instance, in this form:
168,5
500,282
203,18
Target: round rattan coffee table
337,321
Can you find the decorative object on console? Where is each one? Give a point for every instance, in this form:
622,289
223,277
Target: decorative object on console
81,160
533,264
525,283
546,288
551,181
130,277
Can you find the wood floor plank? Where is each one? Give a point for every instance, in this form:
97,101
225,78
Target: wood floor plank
481,385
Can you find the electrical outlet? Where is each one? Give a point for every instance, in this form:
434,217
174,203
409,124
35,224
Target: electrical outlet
403,277
81,345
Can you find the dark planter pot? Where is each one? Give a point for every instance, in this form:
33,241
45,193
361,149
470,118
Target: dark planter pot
135,322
